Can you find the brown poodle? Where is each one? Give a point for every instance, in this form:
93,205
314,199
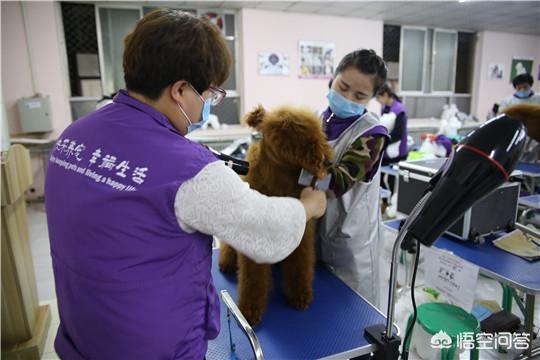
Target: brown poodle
292,139
529,114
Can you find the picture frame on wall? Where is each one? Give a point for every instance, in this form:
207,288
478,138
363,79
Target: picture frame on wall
273,63
520,65
316,60
495,71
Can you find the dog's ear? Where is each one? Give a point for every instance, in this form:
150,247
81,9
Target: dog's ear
255,117
297,136
529,115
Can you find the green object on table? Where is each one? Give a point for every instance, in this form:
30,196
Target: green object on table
451,319
432,291
417,155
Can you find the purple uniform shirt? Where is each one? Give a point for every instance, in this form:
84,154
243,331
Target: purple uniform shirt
398,108
130,283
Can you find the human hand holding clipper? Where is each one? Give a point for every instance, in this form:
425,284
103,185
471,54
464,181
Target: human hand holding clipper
313,197
308,179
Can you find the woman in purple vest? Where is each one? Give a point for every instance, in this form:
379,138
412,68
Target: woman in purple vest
132,204
397,149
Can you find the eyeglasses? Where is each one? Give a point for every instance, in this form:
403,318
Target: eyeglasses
217,95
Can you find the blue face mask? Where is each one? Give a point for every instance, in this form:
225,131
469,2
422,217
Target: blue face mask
523,93
205,116
343,107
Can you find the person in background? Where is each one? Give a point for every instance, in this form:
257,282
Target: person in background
132,204
524,94
349,234
397,149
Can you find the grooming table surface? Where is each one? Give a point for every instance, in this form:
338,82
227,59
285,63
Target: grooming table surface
529,169
505,267
333,324
532,201
389,169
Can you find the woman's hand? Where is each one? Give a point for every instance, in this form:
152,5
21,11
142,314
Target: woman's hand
314,202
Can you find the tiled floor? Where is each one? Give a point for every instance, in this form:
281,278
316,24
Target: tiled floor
486,289
39,241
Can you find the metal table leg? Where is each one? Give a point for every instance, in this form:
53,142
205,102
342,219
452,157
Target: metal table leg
530,353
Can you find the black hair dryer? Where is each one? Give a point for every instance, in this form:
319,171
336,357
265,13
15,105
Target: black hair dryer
481,163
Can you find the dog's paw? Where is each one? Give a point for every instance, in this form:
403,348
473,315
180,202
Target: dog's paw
252,315
227,266
300,301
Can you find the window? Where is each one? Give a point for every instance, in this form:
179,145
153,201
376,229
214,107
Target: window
95,35
113,24
391,41
465,62
443,68
228,112
412,55
435,68
80,35
81,47
391,46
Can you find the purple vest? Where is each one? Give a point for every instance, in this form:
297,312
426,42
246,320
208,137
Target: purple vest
130,283
397,108
335,126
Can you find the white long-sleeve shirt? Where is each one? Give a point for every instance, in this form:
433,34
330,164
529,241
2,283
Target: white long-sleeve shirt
217,202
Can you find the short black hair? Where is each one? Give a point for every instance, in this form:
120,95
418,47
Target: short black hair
522,79
367,62
386,89
170,45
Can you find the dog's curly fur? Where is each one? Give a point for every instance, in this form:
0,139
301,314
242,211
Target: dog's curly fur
529,115
292,139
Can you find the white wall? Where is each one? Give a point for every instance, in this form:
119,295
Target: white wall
4,130
43,68
270,31
499,48
33,60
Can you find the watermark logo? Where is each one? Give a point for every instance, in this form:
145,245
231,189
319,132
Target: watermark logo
441,340
481,341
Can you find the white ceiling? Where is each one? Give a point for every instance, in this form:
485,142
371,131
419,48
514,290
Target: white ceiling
521,17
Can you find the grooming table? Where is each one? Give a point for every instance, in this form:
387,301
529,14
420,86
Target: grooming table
390,170
531,175
386,172
500,265
333,325
531,201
